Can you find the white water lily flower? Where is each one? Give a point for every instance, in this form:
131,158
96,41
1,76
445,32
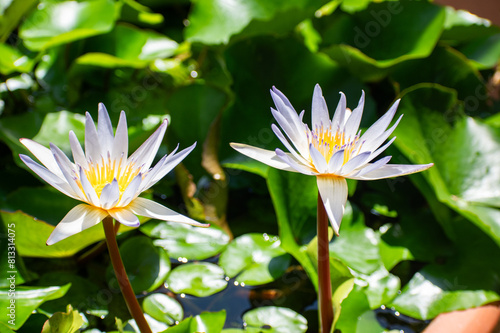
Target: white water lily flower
332,150
104,177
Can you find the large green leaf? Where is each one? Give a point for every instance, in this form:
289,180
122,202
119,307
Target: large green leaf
163,308
433,131
199,279
274,319
67,322
385,34
13,61
54,23
147,265
254,259
185,241
27,299
215,22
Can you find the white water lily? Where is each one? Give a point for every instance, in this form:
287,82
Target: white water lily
104,177
332,150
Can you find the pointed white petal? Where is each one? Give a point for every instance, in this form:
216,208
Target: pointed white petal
355,163
161,169
120,142
286,109
352,124
77,151
298,139
381,149
375,130
393,170
89,191
372,145
146,153
282,97
53,180
78,219
131,192
320,115
149,208
125,216
68,169
110,195
301,115
44,155
338,116
268,157
336,162
285,142
92,146
104,130
373,166
294,165
318,159
333,191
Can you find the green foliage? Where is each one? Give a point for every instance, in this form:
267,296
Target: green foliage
422,245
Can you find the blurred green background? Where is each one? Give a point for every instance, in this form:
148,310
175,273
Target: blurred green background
409,248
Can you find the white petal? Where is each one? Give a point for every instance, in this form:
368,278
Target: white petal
373,166
78,219
170,162
44,155
149,208
120,142
336,162
146,153
131,192
92,146
104,130
375,143
381,149
296,166
125,216
286,109
53,180
110,195
320,115
355,162
338,116
318,159
352,124
285,142
89,191
375,130
267,157
68,169
333,191
393,170
299,140
77,151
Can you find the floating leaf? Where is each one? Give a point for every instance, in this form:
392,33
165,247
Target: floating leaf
199,279
163,308
207,322
254,259
185,241
275,319
67,322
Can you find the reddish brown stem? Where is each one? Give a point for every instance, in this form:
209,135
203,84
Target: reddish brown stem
125,286
325,306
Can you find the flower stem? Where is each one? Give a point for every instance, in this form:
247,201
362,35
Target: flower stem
127,291
325,305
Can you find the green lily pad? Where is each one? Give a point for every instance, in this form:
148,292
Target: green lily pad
27,299
163,308
199,279
254,259
207,322
147,265
274,319
185,241
54,23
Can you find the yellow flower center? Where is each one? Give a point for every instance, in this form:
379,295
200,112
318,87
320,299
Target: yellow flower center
328,142
102,174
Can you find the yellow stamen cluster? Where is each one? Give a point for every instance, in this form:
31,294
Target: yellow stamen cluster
328,142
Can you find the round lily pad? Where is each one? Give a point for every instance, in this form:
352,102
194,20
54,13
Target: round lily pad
255,259
273,319
185,241
199,279
163,308
147,265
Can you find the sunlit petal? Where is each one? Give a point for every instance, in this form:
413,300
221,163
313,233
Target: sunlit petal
319,110
333,191
92,146
77,151
268,157
295,165
125,217
120,142
104,130
393,170
78,219
44,155
146,153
